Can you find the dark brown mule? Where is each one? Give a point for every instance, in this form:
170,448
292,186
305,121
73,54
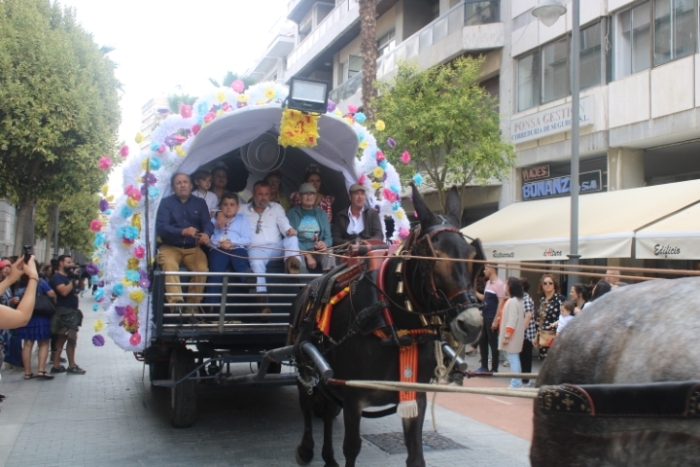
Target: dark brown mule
435,288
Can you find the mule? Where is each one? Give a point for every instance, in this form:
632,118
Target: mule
640,336
439,290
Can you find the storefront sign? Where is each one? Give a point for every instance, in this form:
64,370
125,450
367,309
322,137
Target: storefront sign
535,173
666,250
550,122
589,182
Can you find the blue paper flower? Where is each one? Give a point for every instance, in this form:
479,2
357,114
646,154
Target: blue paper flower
154,146
126,211
132,275
383,164
202,108
118,289
418,179
155,163
100,294
99,240
108,212
94,279
360,117
153,192
94,307
396,206
395,189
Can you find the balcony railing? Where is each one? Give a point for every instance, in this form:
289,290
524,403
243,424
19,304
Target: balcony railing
463,14
341,10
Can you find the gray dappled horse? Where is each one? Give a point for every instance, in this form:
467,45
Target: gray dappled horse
435,288
644,333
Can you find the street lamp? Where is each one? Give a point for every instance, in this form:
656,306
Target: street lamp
548,12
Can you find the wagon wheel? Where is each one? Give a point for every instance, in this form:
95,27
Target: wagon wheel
320,403
158,370
183,397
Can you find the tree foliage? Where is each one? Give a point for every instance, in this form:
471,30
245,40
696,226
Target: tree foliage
447,122
76,212
175,100
230,77
59,107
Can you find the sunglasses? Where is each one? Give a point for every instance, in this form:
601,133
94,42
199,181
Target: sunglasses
547,283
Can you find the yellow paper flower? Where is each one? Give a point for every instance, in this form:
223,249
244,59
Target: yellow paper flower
400,214
145,162
338,112
270,93
363,145
97,325
139,138
349,120
105,189
132,263
219,112
126,282
221,97
376,185
137,296
136,221
378,172
242,98
139,179
179,151
110,198
131,202
380,125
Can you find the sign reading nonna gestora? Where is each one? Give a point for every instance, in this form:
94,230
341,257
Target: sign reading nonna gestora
535,173
589,182
550,122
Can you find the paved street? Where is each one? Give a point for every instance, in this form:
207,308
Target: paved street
110,417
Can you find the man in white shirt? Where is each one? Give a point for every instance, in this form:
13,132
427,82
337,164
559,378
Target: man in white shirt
270,233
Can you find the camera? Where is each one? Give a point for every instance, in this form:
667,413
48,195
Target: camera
27,253
73,272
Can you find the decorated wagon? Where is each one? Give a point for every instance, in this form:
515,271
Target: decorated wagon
249,132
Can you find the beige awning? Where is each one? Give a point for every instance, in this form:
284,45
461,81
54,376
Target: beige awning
540,230
676,237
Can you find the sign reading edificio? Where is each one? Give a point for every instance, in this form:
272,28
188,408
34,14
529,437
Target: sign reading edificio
559,186
550,122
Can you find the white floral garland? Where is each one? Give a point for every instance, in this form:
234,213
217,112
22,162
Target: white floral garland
120,235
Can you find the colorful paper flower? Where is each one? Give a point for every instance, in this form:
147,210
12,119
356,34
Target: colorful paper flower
405,157
384,165
92,269
403,232
418,179
104,190
99,294
105,163
195,128
400,214
104,205
380,155
153,192
380,125
132,263
118,289
221,97
270,93
95,307
362,179
208,117
98,340
98,325
360,117
378,172
155,163
137,296
139,138
95,225
202,108
124,151
185,111
376,185
391,142
352,109
238,86
154,147
135,339
120,310
144,283
99,240
126,211
330,107
139,252
179,151
132,275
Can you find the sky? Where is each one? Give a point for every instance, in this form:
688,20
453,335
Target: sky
163,47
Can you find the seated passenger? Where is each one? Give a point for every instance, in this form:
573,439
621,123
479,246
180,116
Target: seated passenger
359,222
271,234
313,230
274,179
202,182
325,202
229,242
183,224
219,180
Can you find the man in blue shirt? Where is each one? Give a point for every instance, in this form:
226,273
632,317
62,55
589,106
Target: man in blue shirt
183,225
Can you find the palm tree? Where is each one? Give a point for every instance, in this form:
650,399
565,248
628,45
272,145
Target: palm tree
368,34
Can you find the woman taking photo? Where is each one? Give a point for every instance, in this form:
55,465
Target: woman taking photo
548,312
325,202
512,328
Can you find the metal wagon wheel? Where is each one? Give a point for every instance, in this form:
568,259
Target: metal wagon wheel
183,397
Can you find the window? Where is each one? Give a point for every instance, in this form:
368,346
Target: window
353,67
555,73
386,43
527,82
674,29
591,72
633,51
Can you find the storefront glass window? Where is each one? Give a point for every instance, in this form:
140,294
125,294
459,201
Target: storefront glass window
526,80
555,75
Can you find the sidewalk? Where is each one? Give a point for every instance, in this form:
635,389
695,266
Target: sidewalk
110,417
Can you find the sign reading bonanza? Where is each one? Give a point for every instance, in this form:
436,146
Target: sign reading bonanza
589,182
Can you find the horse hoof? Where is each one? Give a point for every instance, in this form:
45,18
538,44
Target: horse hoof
300,459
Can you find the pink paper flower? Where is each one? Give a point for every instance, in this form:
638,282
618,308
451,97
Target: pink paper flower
105,163
403,233
362,179
124,151
406,157
208,117
96,225
185,111
139,252
380,156
195,128
352,109
238,86
135,339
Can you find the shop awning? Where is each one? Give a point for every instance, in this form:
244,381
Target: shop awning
676,237
539,230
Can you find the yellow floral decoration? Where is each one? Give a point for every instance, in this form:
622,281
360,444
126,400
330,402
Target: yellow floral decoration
137,296
298,130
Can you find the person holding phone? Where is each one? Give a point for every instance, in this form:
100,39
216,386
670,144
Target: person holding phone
13,318
183,225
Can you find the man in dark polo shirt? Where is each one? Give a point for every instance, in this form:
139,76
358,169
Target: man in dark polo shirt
359,222
183,224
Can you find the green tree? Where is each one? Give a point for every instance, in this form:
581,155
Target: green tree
76,212
175,100
447,122
230,77
368,48
59,108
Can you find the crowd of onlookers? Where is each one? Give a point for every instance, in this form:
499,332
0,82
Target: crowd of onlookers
516,326
206,228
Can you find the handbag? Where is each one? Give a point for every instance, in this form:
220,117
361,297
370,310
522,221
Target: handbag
43,306
544,336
